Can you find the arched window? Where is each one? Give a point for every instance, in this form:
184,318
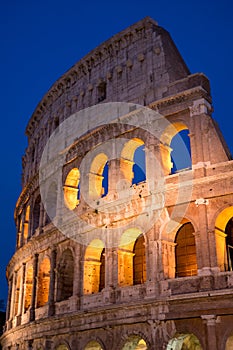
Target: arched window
185,251
224,239
98,177
19,234
93,345
132,162
184,341
43,283
72,189
36,214
139,261
175,148
139,167
136,343
62,347
131,258
94,267
229,343
65,276
28,288
17,293
181,151
26,223
229,244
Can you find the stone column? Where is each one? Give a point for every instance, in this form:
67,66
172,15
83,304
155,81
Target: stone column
9,296
77,278
22,286
13,295
51,300
41,219
210,324
22,230
202,239
34,287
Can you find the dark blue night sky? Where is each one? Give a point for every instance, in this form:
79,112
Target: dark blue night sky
41,40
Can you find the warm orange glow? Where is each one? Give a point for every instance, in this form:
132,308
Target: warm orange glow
28,288
96,176
165,149
17,293
71,189
92,265
26,223
127,156
126,254
220,236
43,283
93,345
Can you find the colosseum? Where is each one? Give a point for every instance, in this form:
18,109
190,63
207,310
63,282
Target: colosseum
125,219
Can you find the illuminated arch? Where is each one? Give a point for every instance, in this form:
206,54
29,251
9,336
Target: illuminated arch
127,162
71,190
175,130
65,273
131,258
28,287
94,267
184,341
62,347
17,293
98,167
185,251
43,283
26,224
93,345
135,342
229,343
224,239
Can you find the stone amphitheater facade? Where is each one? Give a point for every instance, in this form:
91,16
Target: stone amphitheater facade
135,271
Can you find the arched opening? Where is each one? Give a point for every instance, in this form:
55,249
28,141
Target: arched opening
181,151
135,343
132,163
229,244
184,342
139,167
72,189
229,343
94,267
101,91
26,224
139,261
17,293
185,251
19,234
98,177
62,347
65,276
102,270
36,214
175,148
43,283
28,288
128,272
224,239
93,345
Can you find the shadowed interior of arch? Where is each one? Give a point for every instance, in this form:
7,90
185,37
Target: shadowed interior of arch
181,151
